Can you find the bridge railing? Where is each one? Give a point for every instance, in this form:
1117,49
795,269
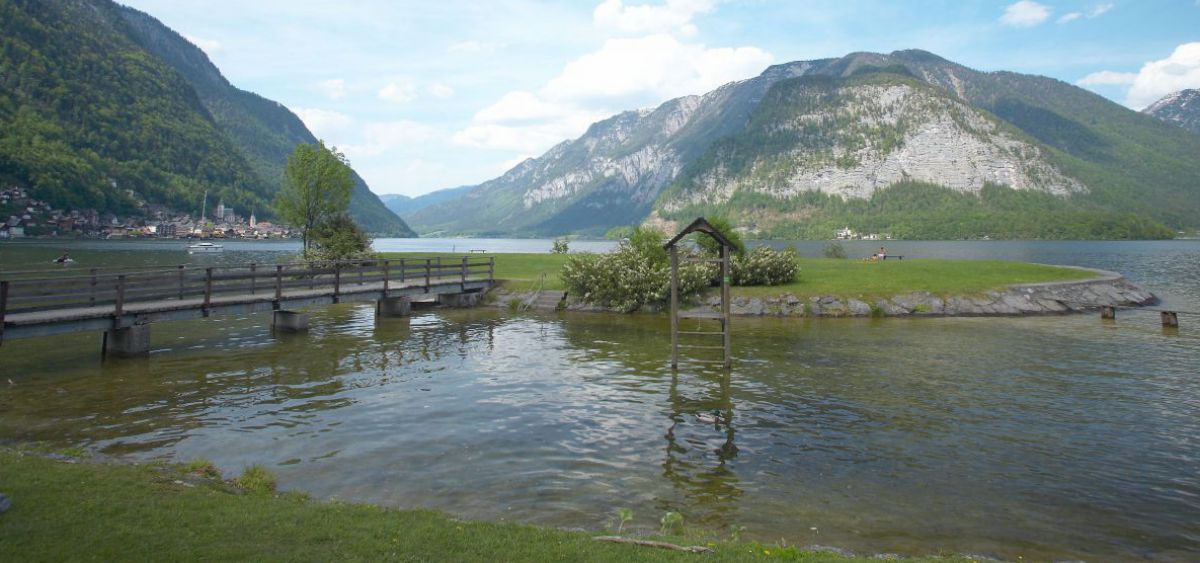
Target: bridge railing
203,286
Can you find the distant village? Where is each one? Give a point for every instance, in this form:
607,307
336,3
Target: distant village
26,217
850,234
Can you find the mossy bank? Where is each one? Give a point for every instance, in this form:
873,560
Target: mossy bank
66,509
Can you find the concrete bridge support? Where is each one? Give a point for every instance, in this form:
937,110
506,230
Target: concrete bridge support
394,307
128,342
289,321
458,300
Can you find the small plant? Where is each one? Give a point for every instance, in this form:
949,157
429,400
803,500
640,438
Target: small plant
834,250
203,468
72,451
877,312
560,246
735,532
514,304
671,521
623,515
256,479
922,308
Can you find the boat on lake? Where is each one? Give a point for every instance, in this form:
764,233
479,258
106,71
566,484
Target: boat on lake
204,248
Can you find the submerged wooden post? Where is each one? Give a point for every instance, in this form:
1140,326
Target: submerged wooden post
1108,312
726,279
1170,319
674,307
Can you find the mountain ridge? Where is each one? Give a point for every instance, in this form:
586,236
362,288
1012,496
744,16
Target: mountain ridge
1180,108
1127,168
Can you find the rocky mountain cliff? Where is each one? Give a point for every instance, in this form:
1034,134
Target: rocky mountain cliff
905,142
103,107
1181,108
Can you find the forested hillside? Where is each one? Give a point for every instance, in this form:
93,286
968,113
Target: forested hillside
103,107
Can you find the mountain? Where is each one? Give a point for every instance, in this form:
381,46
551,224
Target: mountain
102,106
906,143
403,205
1181,108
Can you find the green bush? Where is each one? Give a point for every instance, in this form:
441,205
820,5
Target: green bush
764,266
561,246
339,238
631,277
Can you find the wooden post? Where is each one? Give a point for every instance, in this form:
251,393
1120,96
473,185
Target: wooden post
463,284
428,262
208,289
1108,312
337,281
92,289
725,315
253,276
385,278
312,276
674,307
492,270
182,274
3,306
120,306
278,285
1170,319
403,270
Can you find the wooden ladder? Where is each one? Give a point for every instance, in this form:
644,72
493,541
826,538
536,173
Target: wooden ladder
721,317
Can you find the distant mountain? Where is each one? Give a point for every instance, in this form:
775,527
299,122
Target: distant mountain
906,143
1181,108
102,106
403,205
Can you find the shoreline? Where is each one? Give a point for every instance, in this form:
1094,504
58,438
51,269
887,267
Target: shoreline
1033,299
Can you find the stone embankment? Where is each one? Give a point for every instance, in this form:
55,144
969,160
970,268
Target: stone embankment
1107,289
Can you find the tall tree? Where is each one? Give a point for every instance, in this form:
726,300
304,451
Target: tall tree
316,187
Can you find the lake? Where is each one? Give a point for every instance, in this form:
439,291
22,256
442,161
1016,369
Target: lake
1045,438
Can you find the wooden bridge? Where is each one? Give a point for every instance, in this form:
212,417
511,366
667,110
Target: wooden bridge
123,302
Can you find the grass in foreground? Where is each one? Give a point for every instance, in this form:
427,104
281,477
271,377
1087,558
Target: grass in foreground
823,276
113,512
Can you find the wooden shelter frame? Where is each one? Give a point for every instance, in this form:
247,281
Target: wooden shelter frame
701,225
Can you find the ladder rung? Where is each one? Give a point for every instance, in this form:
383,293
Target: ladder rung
702,315
696,347
706,332
694,361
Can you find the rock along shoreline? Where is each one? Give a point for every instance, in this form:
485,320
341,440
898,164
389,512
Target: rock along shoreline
1107,289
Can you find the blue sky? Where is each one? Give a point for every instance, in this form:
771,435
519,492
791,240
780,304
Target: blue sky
429,95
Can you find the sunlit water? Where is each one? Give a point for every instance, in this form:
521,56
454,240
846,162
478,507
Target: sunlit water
1047,437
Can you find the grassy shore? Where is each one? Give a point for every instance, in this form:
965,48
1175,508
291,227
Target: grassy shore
845,278
119,512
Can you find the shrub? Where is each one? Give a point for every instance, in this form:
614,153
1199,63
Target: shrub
560,246
834,250
256,479
764,266
631,276
203,468
339,238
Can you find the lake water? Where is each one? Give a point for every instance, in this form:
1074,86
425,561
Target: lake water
1044,438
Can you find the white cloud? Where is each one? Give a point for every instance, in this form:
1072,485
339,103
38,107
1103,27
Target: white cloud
334,88
381,137
1025,13
675,16
1100,10
472,46
326,124
439,90
1107,78
1158,78
209,46
398,92
1070,17
623,73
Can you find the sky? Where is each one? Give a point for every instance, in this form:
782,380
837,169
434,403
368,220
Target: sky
429,95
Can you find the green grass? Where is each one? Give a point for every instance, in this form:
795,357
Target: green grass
824,276
116,512
858,278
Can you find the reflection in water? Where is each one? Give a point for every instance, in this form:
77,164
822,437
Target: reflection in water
700,450
1054,437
